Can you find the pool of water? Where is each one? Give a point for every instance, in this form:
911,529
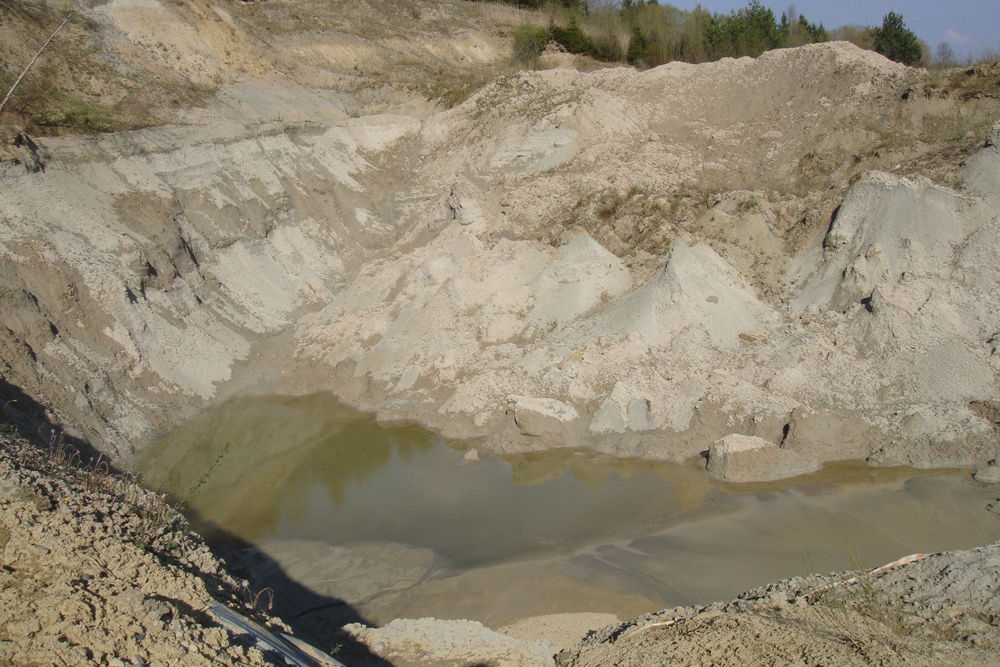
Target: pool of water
627,536
307,468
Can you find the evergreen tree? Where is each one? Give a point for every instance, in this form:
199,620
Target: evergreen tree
637,47
817,33
796,30
894,41
751,30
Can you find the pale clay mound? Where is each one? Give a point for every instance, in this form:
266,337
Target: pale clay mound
148,272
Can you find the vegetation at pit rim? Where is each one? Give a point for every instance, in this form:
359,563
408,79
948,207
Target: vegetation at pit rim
895,42
644,33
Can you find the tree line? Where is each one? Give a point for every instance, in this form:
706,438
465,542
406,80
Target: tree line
646,34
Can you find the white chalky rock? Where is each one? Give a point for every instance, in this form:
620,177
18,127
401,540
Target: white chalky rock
747,458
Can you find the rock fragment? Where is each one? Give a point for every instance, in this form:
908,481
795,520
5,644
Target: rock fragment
747,458
988,475
546,418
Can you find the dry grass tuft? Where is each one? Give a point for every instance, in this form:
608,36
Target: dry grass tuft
863,614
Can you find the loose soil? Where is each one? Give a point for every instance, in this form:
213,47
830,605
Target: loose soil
96,570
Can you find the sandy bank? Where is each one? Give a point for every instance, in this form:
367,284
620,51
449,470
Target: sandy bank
641,263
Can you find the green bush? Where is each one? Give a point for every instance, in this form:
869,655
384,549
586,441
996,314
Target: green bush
529,43
572,38
607,48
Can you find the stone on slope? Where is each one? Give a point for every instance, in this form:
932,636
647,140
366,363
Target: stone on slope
624,410
828,435
546,418
988,475
747,458
463,205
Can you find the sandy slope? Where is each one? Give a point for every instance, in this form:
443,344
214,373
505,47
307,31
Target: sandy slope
936,611
97,570
545,265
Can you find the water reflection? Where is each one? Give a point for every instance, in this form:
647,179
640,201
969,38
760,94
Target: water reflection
282,451
305,468
688,482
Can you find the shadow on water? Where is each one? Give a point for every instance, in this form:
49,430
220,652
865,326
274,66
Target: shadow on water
252,463
315,618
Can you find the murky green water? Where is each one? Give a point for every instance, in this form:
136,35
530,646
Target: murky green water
305,468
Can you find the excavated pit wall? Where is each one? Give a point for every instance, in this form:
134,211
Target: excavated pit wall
142,269
147,274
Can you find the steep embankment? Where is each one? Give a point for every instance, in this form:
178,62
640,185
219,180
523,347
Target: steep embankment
142,268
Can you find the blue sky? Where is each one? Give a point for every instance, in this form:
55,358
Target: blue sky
965,24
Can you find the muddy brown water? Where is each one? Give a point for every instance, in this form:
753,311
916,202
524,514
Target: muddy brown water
562,531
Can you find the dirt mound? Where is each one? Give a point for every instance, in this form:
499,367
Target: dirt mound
645,364
97,570
540,144
899,615
696,289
